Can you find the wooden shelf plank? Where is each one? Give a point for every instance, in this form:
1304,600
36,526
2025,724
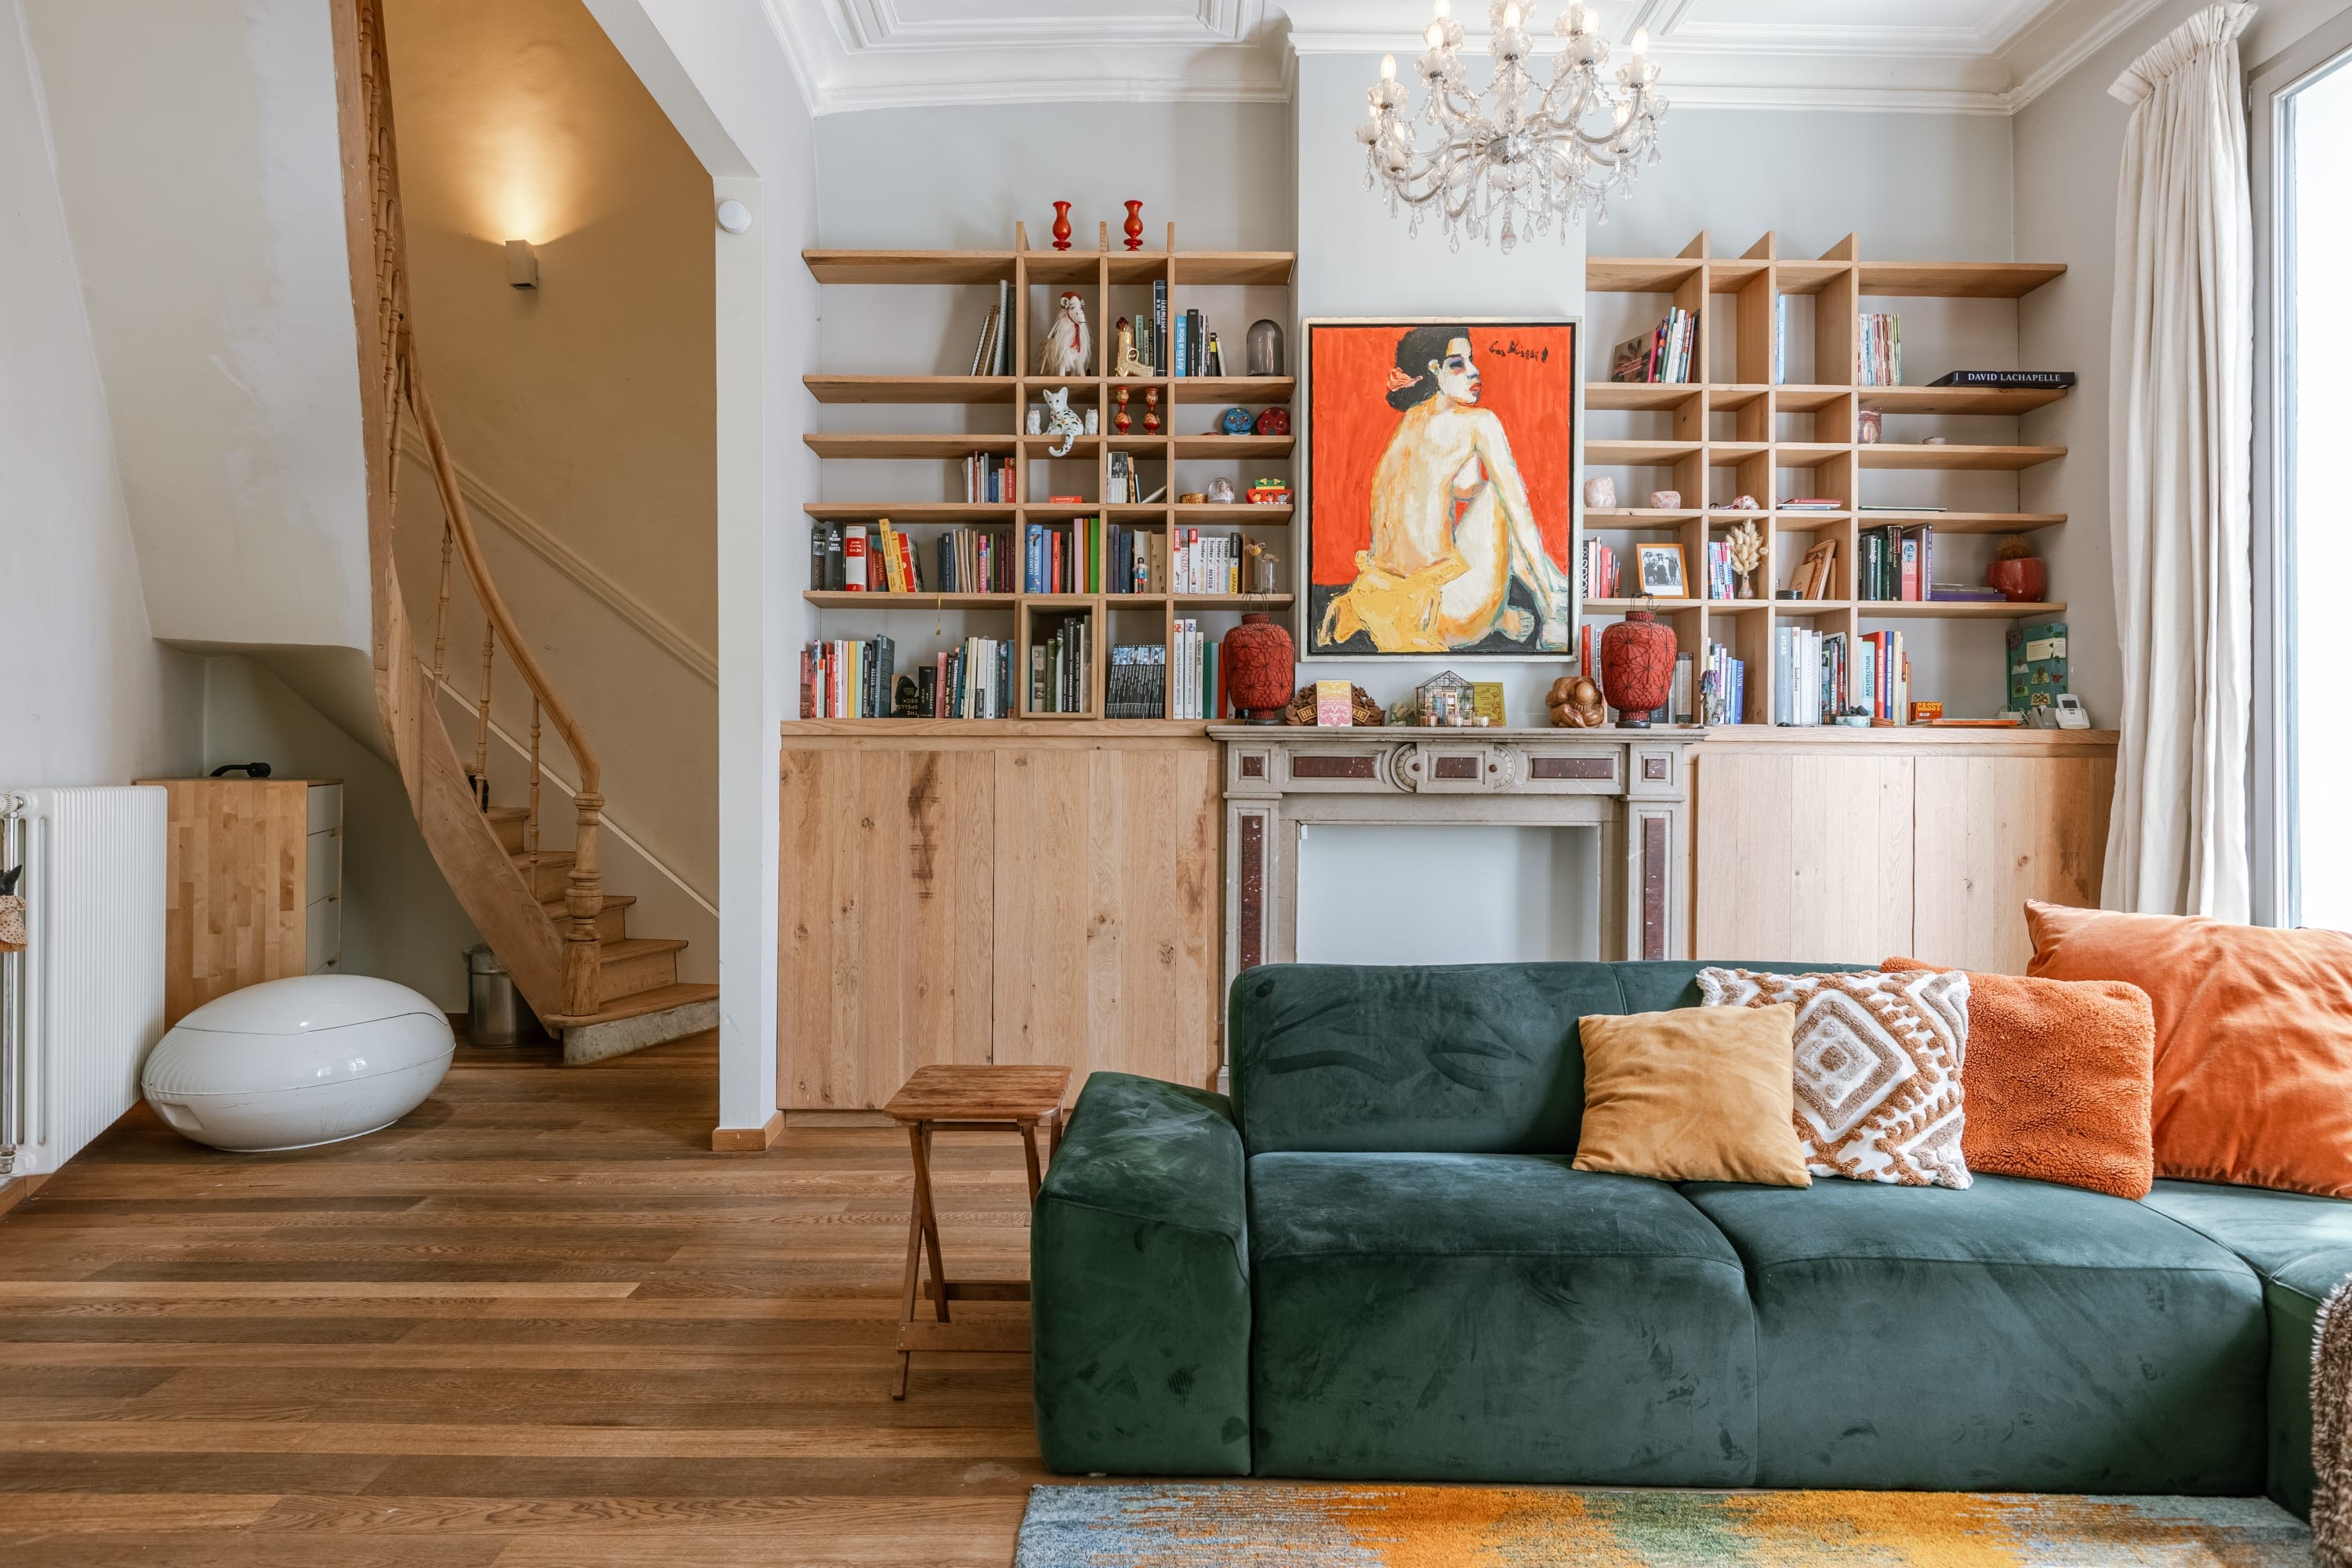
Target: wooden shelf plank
911,511
994,729
1808,276
1233,446
1259,389
965,389
1944,610
1632,517
1908,454
1232,601
1638,454
1808,454
1236,514
837,599
1725,454
1959,279
1637,274
909,266
860,446
1966,522
1261,269
1630,395
1960,399
1805,397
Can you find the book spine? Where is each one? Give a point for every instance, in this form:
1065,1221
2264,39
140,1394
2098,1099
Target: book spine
1180,361
1160,325
852,558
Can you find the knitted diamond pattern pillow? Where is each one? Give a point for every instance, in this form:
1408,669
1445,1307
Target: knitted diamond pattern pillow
1877,1067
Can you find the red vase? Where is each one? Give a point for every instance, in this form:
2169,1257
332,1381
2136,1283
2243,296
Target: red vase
1061,226
2024,581
1258,666
1135,225
1637,667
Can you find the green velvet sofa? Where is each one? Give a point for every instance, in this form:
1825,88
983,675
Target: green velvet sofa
1374,1262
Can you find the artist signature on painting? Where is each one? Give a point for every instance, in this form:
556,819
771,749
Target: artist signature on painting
1517,350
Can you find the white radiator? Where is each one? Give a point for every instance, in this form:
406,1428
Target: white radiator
82,1004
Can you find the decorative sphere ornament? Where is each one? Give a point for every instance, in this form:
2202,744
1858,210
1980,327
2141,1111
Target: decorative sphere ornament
1235,422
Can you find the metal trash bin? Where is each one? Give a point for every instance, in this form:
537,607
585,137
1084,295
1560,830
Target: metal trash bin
496,1012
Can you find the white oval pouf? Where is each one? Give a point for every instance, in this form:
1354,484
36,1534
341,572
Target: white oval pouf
288,1064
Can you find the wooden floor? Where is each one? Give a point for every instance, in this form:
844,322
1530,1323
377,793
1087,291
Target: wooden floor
537,1322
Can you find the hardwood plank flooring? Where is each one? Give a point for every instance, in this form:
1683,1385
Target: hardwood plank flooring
536,1322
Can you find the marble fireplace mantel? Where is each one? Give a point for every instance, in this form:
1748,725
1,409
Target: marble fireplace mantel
1631,785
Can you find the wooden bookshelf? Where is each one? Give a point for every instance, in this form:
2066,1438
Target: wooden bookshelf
1113,283
1801,438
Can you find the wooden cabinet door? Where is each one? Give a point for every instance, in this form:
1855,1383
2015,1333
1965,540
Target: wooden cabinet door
1106,890
883,961
1803,856
1994,831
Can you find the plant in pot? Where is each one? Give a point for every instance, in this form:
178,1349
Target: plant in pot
2022,577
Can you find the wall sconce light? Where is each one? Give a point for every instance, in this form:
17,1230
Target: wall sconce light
734,216
522,264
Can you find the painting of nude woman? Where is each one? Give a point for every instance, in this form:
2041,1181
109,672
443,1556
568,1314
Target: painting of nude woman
1440,474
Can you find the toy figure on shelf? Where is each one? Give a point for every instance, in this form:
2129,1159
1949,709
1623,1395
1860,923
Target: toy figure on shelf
1235,422
1151,411
1129,362
1121,421
1274,422
1060,421
1069,346
1269,492
1576,704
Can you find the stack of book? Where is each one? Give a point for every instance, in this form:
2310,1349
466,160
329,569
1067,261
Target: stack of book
1063,557
1722,582
1138,683
1802,660
1195,692
1600,572
1663,353
1882,677
1137,558
847,679
1061,670
1209,565
973,561
1878,350
989,477
992,354
1722,687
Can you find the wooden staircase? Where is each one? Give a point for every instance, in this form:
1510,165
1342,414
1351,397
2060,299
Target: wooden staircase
563,940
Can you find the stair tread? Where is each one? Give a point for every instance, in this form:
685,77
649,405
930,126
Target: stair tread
507,813
527,857
661,998
555,908
638,946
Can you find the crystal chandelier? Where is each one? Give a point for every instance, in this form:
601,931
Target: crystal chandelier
1492,169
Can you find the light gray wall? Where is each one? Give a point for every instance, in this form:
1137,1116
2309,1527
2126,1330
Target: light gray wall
90,697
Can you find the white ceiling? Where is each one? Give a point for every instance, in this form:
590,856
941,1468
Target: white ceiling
1986,56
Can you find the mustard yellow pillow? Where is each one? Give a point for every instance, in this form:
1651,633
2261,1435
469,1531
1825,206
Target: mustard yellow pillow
1699,1094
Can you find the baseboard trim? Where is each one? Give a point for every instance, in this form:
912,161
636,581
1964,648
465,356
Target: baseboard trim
16,1189
748,1140
837,1118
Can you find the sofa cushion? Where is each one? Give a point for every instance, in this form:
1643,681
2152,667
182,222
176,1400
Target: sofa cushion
1698,1094
2015,1335
2302,1246
1461,1059
1499,1317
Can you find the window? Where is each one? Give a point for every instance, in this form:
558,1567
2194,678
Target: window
2303,483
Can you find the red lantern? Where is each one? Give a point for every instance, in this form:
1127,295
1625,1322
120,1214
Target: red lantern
1637,667
1258,664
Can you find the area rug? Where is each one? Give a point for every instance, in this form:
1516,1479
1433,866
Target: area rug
1280,1526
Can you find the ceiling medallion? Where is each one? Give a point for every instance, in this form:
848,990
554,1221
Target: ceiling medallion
1495,167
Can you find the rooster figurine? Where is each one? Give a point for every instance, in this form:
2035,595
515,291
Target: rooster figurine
1068,347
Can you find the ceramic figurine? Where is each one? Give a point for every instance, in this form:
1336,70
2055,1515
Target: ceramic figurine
1269,492
1601,494
1129,362
1575,704
1151,411
1262,349
1120,421
1746,503
1274,422
1060,421
1135,225
1235,422
1061,226
1221,491
1069,346
1036,424
1090,418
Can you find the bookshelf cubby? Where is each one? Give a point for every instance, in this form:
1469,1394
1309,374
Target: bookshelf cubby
1182,456
1741,432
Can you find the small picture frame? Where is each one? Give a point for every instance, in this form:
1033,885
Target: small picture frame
1661,571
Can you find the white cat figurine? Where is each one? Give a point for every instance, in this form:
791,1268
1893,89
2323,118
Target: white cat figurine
1060,421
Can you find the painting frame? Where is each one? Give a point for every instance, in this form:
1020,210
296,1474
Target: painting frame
1642,555
1550,384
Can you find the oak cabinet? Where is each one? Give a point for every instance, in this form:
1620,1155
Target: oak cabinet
1923,843
1041,894
255,885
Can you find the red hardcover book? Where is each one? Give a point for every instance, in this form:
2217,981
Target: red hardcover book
853,554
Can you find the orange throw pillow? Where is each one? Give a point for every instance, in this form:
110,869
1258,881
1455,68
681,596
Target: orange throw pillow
2253,1039
2056,1081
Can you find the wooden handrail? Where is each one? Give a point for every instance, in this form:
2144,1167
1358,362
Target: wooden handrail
584,895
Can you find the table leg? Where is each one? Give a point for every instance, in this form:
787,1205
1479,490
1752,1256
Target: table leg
1054,1134
914,1263
1029,1148
931,1218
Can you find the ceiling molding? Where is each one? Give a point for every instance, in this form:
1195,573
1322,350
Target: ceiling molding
857,55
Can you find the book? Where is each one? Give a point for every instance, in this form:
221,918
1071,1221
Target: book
1217,355
816,555
1197,334
1878,350
1159,359
1180,361
983,353
852,558
2008,379
1335,704
2037,663
1004,318
1780,339
1663,353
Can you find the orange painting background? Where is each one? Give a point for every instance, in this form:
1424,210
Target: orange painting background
1349,424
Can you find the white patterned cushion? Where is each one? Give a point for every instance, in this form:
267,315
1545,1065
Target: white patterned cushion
1878,1059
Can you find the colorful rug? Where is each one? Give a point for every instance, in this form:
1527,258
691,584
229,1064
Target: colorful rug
1282,1526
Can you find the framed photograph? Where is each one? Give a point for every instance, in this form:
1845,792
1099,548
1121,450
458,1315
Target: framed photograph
1440,487
1662,571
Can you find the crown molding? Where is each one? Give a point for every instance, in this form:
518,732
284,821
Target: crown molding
2067,52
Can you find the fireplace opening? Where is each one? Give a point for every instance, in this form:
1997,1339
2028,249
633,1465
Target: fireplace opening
1447,893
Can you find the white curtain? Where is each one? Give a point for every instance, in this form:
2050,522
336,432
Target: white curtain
2179,453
